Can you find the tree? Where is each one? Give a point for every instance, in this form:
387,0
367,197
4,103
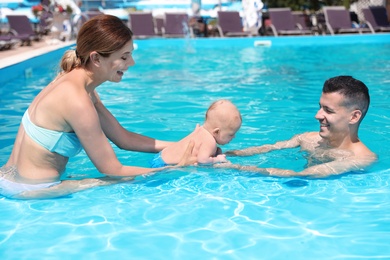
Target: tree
299,5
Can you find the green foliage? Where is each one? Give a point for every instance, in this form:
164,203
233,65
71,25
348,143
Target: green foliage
312,5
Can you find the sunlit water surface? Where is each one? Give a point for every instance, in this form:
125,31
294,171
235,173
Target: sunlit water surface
205,213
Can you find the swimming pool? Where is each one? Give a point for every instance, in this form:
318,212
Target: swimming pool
203,213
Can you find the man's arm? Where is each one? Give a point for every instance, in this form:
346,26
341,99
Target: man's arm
293,142
322,170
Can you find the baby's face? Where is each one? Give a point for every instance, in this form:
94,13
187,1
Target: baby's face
227,133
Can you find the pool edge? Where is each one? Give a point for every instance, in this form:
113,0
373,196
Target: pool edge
15,59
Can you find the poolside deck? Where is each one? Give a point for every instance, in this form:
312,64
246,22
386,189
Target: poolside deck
21,53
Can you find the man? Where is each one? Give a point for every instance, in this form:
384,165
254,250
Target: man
336,148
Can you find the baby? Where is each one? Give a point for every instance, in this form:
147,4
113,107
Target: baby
222,122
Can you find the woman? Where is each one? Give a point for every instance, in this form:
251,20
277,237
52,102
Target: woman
68,116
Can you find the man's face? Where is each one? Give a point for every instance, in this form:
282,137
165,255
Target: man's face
333,117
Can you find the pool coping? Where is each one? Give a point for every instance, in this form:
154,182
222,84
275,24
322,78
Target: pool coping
24,62
27,54
258,41
270,41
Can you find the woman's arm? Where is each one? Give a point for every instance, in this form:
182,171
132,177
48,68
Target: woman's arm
123,138
84,119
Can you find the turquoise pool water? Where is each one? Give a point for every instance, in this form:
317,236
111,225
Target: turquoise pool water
204,213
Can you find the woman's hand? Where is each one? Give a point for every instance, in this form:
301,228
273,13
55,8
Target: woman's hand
190,156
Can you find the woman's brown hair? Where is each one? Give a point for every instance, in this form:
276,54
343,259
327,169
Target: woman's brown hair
104,34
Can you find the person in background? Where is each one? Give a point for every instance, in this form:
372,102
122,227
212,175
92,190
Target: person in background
68,116
252,15
336,148
222,122
196,6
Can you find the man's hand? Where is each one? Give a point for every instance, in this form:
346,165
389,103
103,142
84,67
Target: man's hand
234,152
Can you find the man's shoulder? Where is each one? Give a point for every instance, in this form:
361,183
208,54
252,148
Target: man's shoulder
364,152
308,136
312,135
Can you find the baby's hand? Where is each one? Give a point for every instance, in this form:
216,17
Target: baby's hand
221,158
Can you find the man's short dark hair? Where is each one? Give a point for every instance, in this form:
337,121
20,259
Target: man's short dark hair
355,92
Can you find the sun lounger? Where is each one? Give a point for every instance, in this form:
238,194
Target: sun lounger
300,19
3,44
142,24
176,25
229,24
45,22
303,21
8,41
376,18
21,26
283,23
159,23
338,21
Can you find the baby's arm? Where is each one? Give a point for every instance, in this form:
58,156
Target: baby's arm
220,158
208,154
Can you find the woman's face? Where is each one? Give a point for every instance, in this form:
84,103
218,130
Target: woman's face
119,62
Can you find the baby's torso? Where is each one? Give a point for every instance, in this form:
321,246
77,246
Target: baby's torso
173,153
